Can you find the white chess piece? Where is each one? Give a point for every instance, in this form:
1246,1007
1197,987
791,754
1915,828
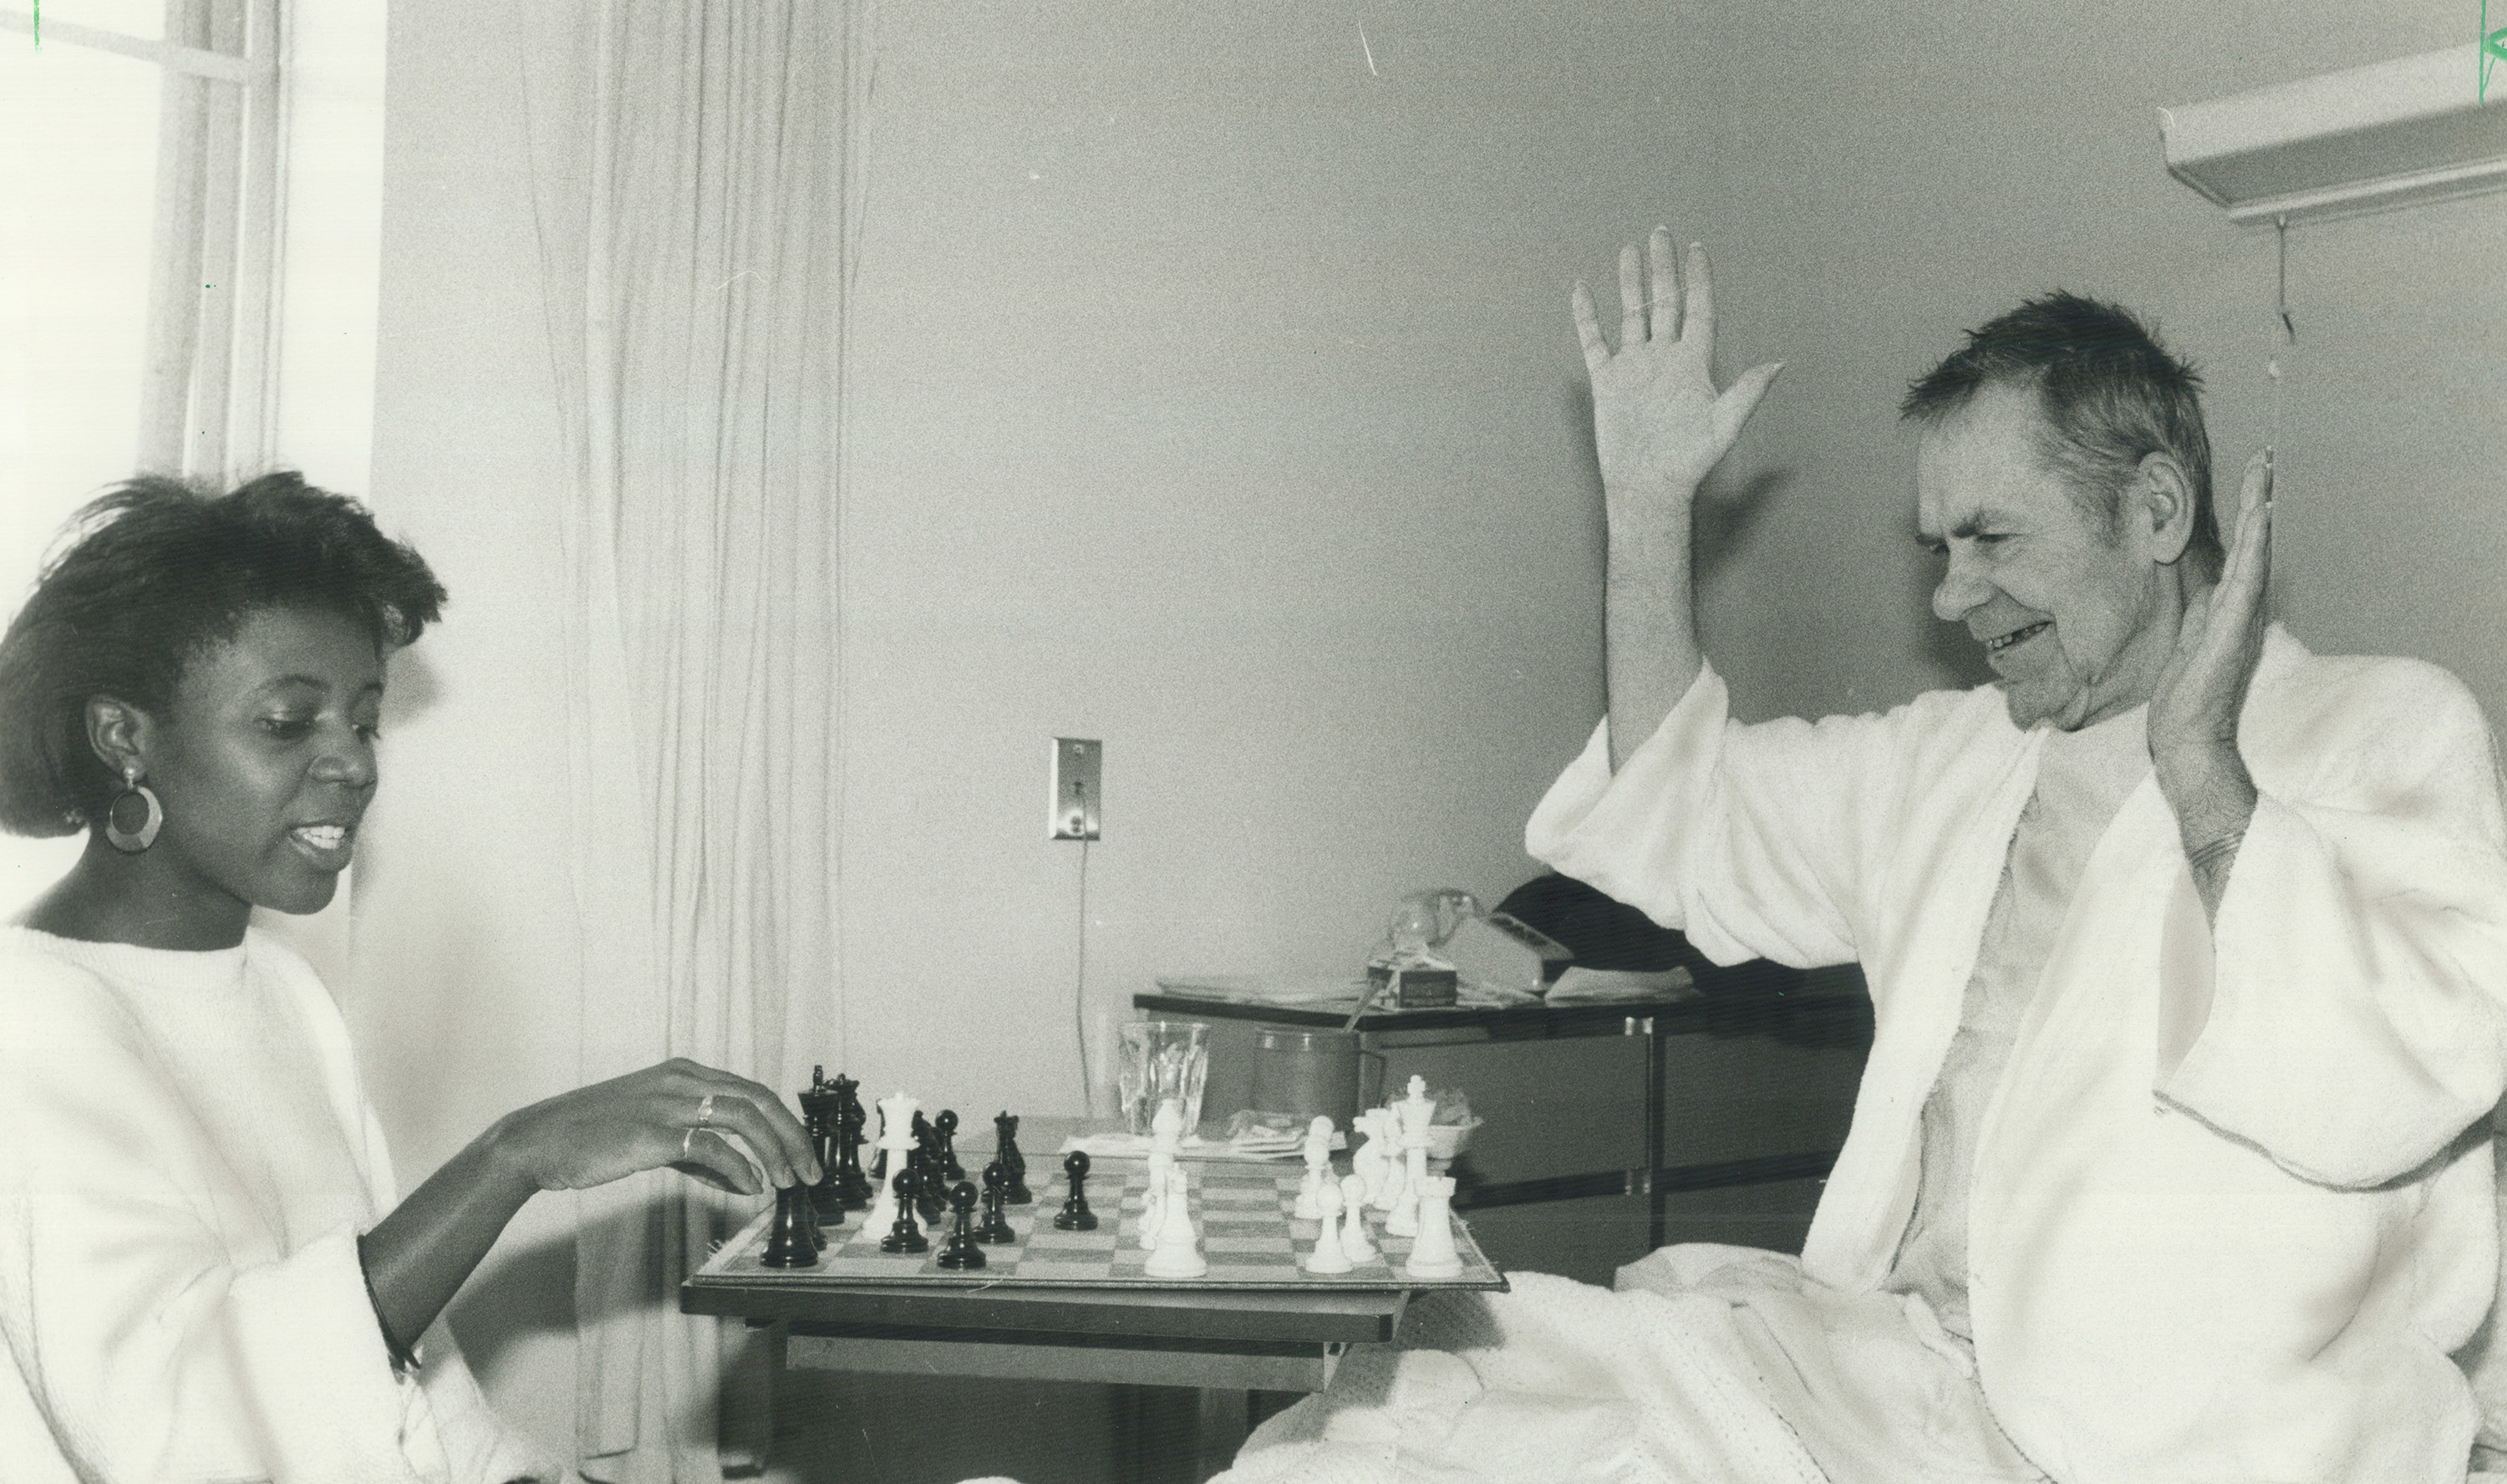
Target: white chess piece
1387,1194
1328,1255
1414,1111
1355,1244
1166,1130
1365,1159
1434,1254
1318,1164
1178,1249
895,1140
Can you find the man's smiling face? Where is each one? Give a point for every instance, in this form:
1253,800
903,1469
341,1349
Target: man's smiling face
2067,612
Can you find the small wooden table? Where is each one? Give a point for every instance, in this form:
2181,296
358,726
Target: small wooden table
1228,1343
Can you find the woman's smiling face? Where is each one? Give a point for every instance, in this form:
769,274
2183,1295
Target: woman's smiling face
265,762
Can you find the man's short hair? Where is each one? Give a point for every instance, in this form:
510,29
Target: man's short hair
2108,394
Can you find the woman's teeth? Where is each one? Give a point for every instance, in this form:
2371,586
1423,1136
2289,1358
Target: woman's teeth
322,837
2014,636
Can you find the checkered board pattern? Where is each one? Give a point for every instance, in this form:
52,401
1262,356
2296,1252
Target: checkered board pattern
1242,1212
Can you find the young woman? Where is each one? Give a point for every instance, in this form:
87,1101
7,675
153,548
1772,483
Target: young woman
204,1275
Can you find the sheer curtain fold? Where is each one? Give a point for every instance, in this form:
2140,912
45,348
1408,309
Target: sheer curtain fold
693,181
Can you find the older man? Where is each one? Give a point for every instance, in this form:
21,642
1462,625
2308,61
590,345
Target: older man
2188,948
2187,951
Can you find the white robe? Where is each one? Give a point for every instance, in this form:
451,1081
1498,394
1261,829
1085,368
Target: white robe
187,1159
2251,1264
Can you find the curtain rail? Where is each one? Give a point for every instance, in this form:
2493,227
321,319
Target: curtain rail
217,67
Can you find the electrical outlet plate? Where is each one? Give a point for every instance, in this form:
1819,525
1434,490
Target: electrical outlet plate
1075,776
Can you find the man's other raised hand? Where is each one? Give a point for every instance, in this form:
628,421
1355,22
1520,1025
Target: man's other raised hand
1658,423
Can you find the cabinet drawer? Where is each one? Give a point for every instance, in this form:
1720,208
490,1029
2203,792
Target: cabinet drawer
1727,1098
1548,1108
1586,1239
1775,1215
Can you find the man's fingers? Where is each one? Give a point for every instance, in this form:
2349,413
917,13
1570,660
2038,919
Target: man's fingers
1701,322
2241,576
1662,284
1632,316
1589,329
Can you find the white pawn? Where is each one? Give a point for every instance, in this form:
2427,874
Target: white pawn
1328,1255
1434,1254
1178,1249
1318,1162
1355,1244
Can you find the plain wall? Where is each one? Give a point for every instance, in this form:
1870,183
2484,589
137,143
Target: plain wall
1216,397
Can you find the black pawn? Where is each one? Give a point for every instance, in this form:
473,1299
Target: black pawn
1075,1215
904,1236
995,1228
787,1242
960,1251
944,1144
1013,1164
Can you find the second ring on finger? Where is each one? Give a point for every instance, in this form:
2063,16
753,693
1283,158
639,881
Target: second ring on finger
704,1110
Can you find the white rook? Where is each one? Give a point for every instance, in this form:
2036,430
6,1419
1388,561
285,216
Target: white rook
1434,1254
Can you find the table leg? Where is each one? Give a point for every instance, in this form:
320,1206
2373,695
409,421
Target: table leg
1220,1426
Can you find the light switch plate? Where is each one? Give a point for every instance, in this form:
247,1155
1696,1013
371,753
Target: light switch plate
1077,770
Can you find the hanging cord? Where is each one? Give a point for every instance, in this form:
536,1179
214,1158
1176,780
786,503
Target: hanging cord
2288,341
1079,993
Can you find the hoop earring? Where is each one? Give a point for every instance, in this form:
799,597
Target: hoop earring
133,842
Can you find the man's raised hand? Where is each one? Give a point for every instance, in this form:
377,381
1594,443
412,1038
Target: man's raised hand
2194,706
1658,424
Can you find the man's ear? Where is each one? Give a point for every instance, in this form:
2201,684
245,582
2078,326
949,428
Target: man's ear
120,734
2158,508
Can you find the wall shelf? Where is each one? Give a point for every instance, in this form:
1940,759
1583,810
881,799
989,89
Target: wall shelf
2394,133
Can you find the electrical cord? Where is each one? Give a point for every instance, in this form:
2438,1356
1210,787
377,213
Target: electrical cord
1079,993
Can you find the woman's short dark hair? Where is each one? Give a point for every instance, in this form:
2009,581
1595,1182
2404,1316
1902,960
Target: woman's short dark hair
151,574
2109,395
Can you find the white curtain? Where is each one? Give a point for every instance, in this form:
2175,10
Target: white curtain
696,187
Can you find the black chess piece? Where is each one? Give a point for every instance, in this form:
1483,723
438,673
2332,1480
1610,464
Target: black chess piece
1075,1215
807,1201
960,1251
851,1118
904,1236
787,1241
931,1191
820,1114
1013,1164
995,1228
944,1144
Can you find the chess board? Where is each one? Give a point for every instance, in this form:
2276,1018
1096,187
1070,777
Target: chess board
1249,1236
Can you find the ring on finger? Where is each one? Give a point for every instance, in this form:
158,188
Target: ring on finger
704,1110
687,1141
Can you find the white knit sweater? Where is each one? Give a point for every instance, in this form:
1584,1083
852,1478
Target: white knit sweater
187,1159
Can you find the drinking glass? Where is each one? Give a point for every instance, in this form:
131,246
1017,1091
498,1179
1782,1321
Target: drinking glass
1163,1059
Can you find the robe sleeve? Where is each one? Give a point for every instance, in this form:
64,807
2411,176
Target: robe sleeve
1755,841
2358,982
148,1350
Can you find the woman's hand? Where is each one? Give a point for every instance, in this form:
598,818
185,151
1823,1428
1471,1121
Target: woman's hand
1658,425
679,1113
